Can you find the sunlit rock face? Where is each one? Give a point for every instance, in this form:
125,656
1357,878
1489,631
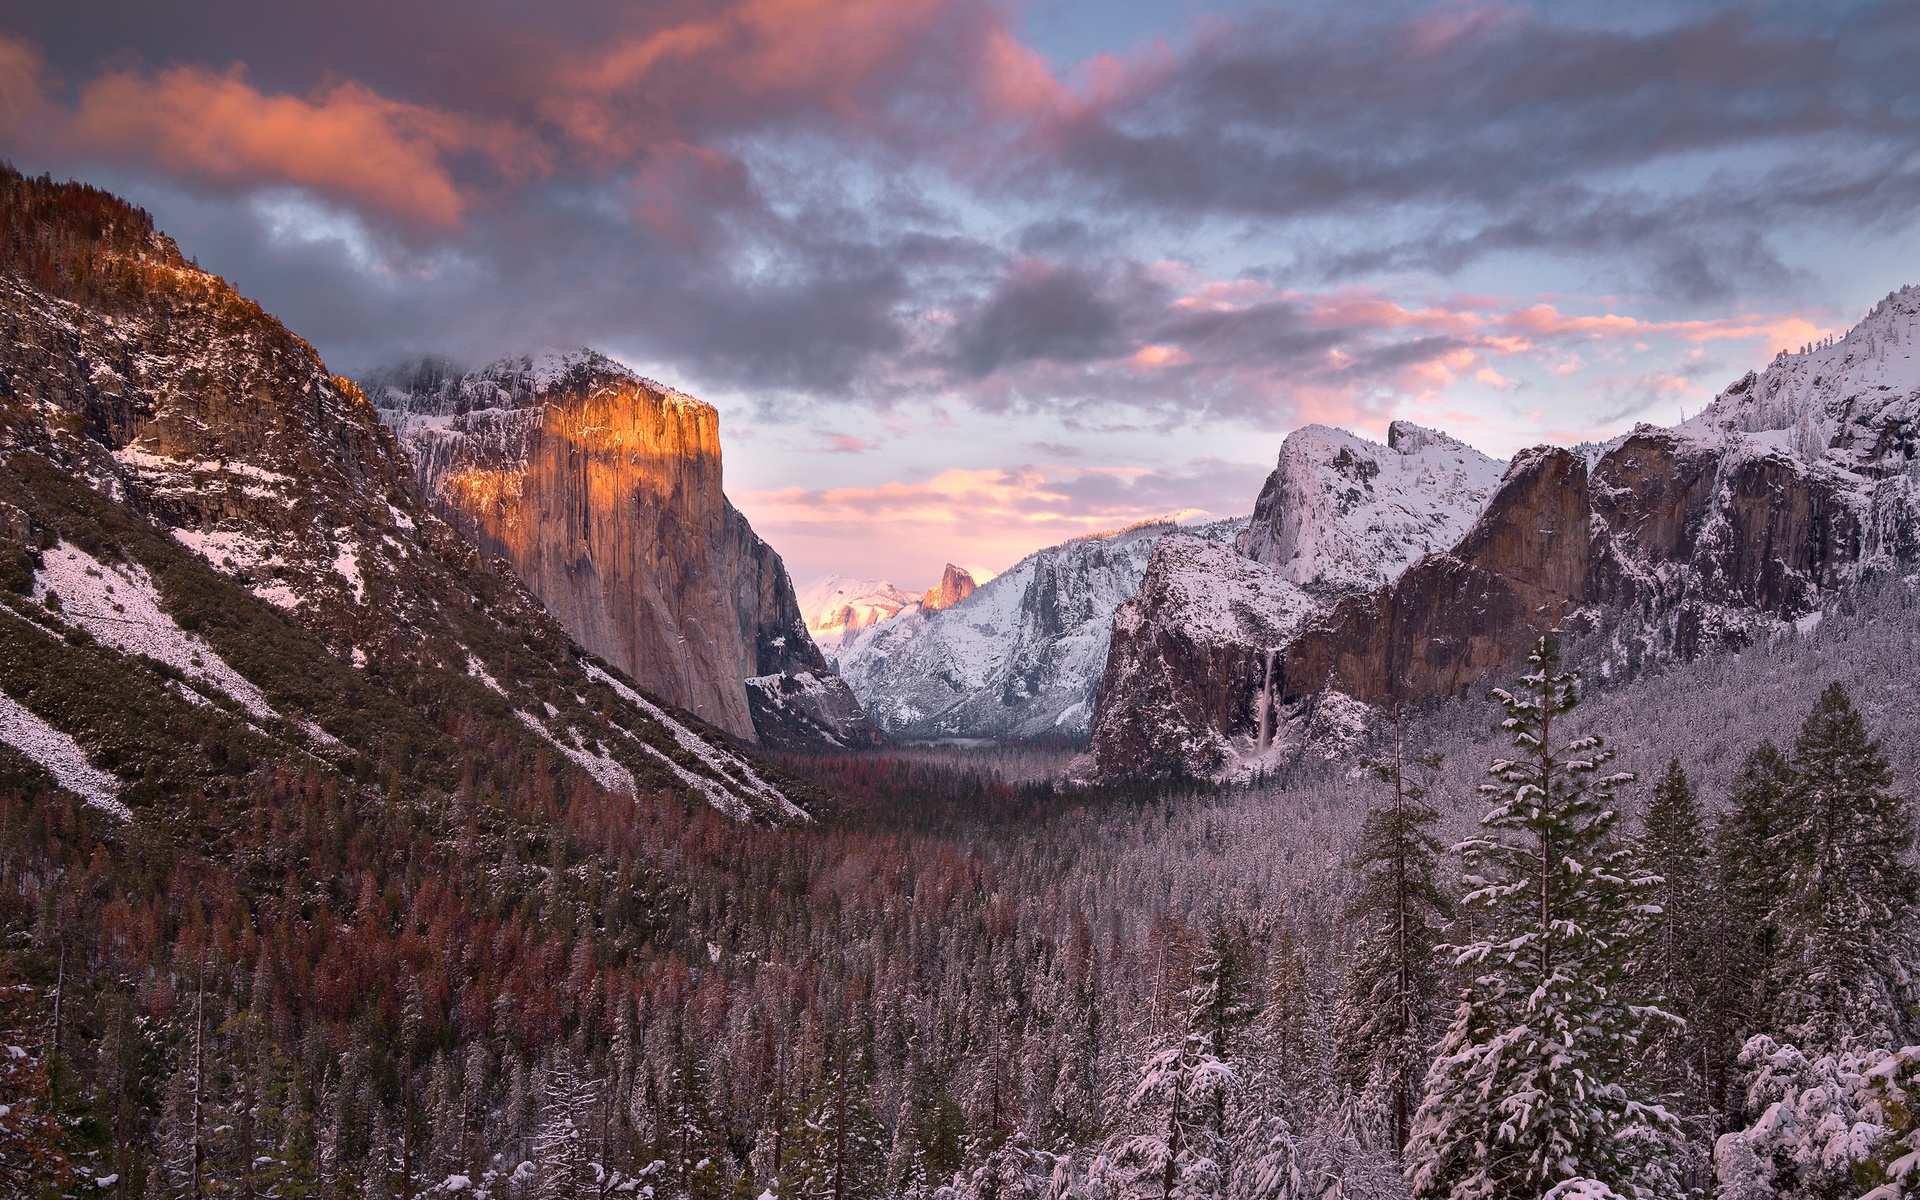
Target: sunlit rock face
955,585
603,491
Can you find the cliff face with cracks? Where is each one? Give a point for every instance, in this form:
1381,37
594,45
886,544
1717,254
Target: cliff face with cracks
604,492
1691,541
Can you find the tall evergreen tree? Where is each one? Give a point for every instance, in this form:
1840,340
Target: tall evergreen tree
1749,873
1535,1080
1383,1029
1673,846
1846,911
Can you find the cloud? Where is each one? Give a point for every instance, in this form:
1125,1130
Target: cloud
343,141
993,515
892,203
1039,311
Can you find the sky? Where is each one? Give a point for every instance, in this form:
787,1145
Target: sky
967,278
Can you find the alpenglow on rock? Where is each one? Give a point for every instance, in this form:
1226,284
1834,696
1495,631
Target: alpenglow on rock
603,490
956,584
220,576
1020,657
837,609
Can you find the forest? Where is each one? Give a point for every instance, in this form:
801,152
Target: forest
1651,941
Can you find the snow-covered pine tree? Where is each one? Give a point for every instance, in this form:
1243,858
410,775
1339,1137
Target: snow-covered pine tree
1676,960
563,1147
1744,941
1535,1084
1196,1125
1288,1022
1383,1028
1845,914
1172,1150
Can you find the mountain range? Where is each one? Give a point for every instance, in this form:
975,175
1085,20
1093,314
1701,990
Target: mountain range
589,501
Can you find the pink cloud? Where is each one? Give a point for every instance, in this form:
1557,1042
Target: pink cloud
343,140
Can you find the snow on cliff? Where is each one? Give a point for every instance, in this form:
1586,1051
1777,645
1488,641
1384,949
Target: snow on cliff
1343,514
1021,656
1854,399
838,609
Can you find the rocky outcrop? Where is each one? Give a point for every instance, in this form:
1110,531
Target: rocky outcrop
1674,542
1190,648
955,585
1464,614
603,492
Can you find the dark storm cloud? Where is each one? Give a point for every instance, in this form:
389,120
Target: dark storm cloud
1276,118
1040,312
799,199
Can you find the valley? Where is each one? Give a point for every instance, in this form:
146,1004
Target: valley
432,785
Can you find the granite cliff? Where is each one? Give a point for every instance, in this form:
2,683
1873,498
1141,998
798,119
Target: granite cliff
1663,543
602,491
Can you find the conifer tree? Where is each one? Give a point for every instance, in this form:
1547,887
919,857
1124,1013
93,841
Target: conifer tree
1748,876
563,1148
1846,908
1383,1028
1199,1125
1676,960
1535,1082
1287,1020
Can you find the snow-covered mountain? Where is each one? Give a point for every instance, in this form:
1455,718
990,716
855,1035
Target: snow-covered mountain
837,608
1186,685
1019,657
1662,543
1342,514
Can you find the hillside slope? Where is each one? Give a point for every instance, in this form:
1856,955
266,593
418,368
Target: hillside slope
195,509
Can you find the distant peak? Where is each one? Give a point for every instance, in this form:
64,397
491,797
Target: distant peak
956,584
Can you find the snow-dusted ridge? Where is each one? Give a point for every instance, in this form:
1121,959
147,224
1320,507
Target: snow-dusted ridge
743,785
1341,513
1018,658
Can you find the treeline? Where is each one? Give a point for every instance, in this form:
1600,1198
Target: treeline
961,988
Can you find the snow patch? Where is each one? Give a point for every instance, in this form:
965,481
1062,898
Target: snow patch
606,772
60,756
478,670
736,773
117,604
346,564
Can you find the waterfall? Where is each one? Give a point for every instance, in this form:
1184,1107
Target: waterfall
1265,708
